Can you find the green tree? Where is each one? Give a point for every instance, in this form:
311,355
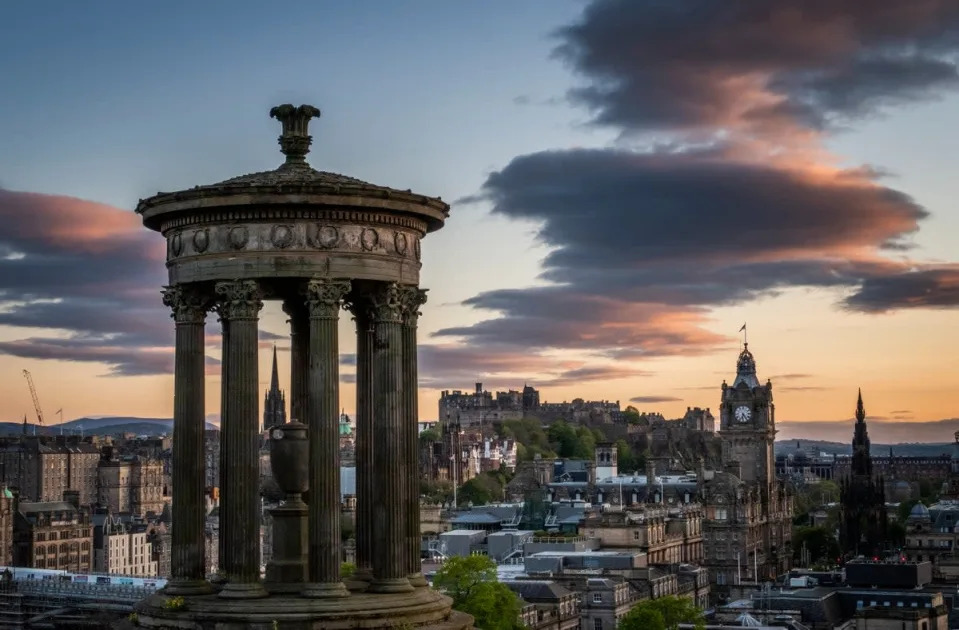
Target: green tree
626,460
817,541
429,435
664,613
471,583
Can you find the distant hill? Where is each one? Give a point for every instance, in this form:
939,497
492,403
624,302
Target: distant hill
839,448
884,431
98,426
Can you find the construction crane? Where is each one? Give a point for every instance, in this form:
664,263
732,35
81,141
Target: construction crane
33,392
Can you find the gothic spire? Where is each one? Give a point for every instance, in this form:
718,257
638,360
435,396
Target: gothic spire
860,410
275,379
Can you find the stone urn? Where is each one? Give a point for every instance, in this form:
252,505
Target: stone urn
290,457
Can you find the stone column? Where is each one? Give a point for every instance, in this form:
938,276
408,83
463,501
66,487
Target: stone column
187,561
323,299
414,299
390,549
360,306
239,304
299,356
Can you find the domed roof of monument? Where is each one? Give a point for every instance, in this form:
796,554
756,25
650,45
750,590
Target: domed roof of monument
295,178
919,511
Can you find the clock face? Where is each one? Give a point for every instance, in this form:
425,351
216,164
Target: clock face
743,414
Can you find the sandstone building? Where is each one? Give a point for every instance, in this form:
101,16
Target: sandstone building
53,535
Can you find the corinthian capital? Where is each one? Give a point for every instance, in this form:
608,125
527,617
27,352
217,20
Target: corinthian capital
189,305
324,297
387,303
413,298
239,299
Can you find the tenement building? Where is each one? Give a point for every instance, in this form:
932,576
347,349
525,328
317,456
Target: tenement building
53,535
317,242
748,511
131,484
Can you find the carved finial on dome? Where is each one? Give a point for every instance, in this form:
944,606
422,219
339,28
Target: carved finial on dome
295,140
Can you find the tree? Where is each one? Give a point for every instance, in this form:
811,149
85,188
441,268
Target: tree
471,583
664,613
429,435
818,542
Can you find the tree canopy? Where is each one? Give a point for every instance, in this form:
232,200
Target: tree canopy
664,613
471,582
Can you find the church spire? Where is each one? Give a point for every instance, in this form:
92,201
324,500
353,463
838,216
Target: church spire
274,405
275,379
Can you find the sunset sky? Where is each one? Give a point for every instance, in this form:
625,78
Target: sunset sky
629,181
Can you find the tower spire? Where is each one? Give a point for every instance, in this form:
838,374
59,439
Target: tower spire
860,409
275,379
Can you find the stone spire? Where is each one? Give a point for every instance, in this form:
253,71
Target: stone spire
274,405
861,459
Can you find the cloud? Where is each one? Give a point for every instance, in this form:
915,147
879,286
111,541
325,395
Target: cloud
720,189
934,287
91,275
754,65
654,399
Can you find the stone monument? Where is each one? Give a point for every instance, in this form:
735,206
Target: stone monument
319,242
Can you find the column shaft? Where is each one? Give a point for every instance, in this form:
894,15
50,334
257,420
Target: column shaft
360,308
324,299
299,357
414,298
187,560
390,549
239,304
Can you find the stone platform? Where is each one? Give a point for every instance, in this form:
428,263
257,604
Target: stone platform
423,609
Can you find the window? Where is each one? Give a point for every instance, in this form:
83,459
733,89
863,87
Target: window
635,534
597,624
597,598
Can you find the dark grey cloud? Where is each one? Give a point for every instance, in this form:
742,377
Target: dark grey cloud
654,399
87,270
705,64
935,287
642,244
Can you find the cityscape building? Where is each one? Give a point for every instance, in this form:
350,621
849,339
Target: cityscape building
274,402
53,535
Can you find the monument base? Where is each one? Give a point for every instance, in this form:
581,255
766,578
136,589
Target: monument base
423,609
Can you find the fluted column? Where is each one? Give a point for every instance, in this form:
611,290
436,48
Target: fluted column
299,356
390,470
239,304
323,300
187,561
414,298
359,304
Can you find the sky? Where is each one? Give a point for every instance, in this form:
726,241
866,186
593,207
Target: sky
630,182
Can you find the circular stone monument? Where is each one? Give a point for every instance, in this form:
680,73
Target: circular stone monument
318,242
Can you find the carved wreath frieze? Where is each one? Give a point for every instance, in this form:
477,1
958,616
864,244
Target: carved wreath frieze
281,235
369,239
201,240
305,236
238,237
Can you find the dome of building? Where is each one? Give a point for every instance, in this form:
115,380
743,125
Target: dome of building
919,511
746,369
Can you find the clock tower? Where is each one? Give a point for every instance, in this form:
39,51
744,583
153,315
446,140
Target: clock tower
747,424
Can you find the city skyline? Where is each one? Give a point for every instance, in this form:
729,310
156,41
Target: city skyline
628,186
